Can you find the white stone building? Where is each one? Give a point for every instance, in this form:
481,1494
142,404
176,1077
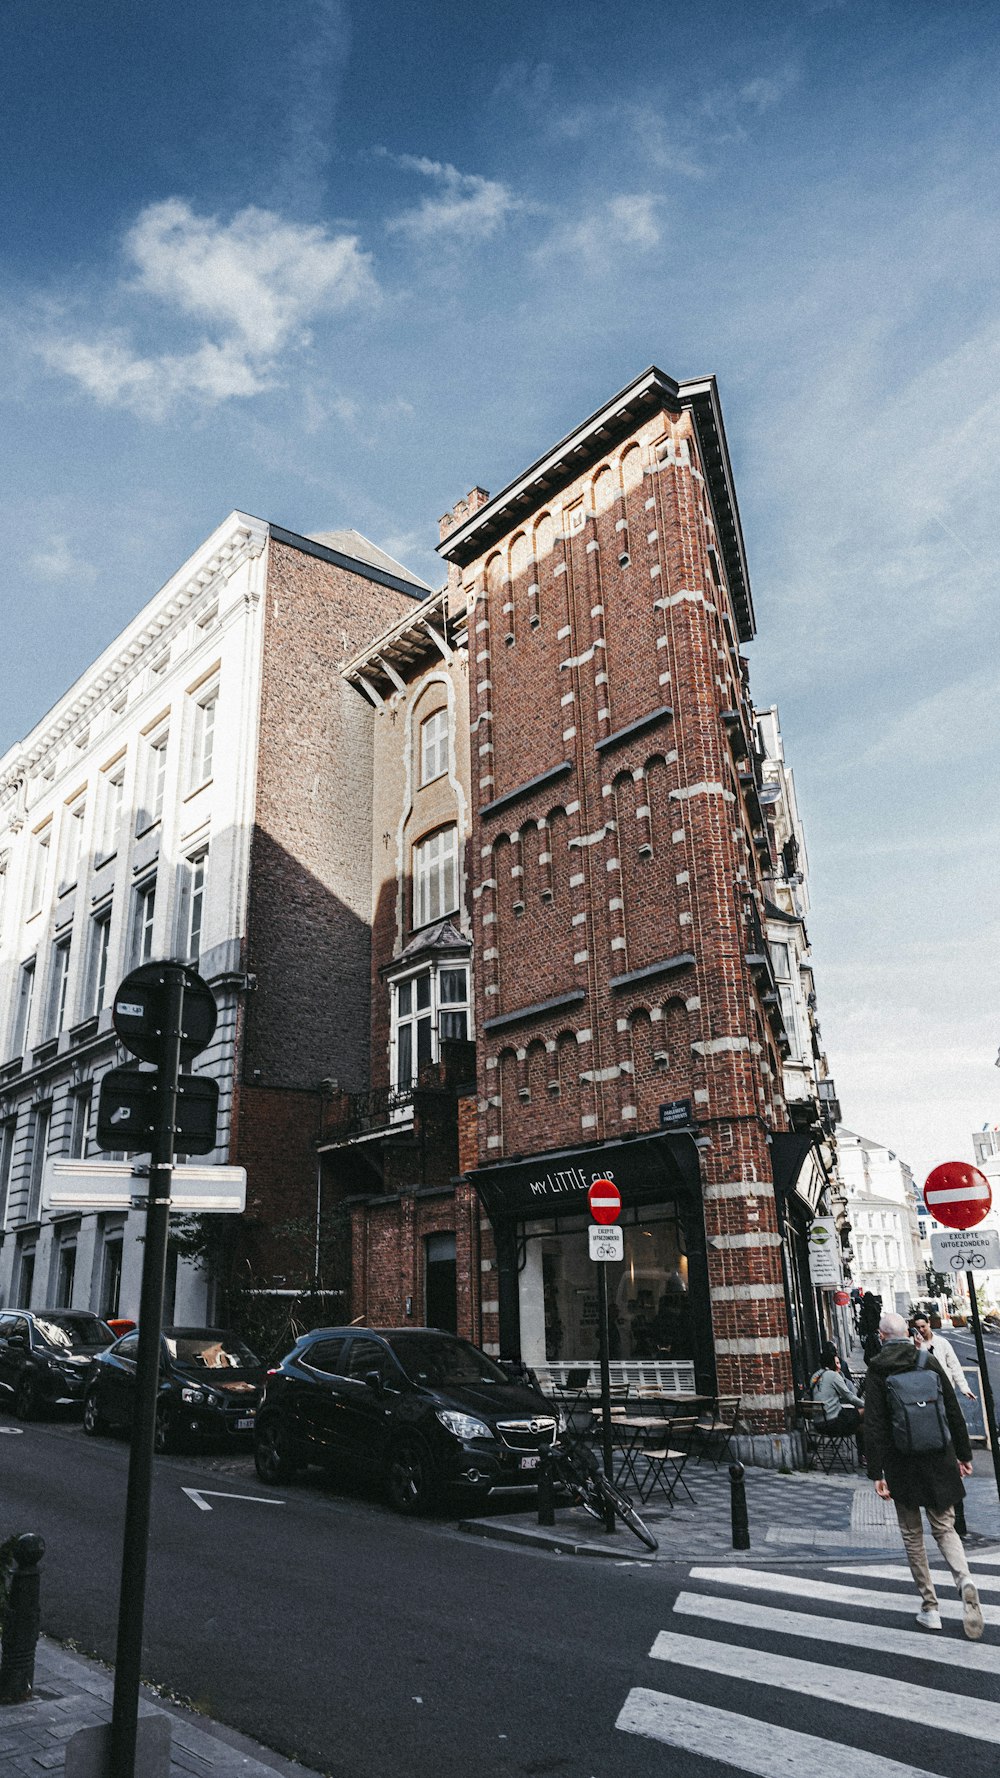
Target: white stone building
883,1213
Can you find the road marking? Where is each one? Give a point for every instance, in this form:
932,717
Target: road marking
759,1748
972,1717
12,1431
818,1591
198,1495
915,1644
890,1571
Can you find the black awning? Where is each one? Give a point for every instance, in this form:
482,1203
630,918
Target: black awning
790,1150
645,1170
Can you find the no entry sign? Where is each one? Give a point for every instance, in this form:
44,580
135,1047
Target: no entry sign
605,1201
957,1195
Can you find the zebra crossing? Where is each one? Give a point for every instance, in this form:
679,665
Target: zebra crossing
847,1650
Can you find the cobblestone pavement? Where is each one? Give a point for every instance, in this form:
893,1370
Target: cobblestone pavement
72,1693
790,1514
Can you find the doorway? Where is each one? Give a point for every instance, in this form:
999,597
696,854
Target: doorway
440,1296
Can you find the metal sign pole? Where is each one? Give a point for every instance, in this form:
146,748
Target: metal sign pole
128,1656
602,1322
988,1409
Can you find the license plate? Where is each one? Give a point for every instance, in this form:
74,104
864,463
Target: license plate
530,1462
245,1425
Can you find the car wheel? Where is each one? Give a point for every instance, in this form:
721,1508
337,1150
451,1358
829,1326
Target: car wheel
272,1453
163,1431
24,1399
409,1477
94,1422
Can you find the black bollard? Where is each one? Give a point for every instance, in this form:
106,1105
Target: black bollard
20,1621
738,1507
546,1492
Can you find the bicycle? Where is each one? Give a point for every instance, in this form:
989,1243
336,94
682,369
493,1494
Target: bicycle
574,1468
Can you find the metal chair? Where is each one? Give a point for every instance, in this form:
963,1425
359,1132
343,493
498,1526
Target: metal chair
666,1463
718,1428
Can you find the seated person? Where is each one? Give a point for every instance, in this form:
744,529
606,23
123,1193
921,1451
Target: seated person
842,1406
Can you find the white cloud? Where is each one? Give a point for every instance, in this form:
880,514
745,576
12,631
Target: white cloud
257,282
55,561
626,220
466,205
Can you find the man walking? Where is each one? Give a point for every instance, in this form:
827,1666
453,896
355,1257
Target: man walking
914,1463
944,1352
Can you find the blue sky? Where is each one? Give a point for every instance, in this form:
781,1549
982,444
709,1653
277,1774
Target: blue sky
334,264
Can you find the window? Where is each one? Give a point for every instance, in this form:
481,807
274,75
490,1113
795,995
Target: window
435,876
39,865
97,974
427,1008
155,774
71,839
81,1101
22,1015
369,1355
7,1131
58,984
325,1355
111,812
779,958
25,1280
434,746
111,1275
38,1142
203,739
191,905
143,913
65,1274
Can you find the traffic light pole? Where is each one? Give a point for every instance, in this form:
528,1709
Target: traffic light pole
132,1597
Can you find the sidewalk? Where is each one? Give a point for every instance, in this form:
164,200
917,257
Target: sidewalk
72,1693
802,1514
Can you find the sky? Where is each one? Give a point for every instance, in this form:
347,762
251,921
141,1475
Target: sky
334,264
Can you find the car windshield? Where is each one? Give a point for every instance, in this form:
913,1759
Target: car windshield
442,1361
74,1333
211,1351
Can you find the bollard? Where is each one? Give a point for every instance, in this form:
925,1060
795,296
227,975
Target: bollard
738,1507
21,1621
546,1493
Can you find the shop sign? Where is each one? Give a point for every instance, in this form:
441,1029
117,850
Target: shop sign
824,1253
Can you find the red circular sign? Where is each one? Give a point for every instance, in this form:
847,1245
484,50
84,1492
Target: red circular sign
957,1195
605,1201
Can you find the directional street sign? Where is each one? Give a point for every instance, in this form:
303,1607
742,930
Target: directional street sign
957,1195
111,1185
966,1251
605,1201
606,1244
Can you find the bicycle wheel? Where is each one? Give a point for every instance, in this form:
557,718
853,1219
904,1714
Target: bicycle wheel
625,1511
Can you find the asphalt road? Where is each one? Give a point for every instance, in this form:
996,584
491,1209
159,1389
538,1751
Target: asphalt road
374,1647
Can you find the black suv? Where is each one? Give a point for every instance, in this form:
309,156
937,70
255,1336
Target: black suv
419,1409
209,1386
45,1355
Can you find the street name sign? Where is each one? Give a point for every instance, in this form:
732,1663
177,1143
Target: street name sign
111,1185
606,1244
605,1201
969,1250
957,1195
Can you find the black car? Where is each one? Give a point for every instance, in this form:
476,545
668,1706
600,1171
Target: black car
210,1385
45,1355
418,1409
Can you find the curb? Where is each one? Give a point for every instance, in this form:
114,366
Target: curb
571,1544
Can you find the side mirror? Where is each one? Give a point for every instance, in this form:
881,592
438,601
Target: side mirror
374,1381
17,1343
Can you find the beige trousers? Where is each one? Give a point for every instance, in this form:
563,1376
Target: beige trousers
947,1539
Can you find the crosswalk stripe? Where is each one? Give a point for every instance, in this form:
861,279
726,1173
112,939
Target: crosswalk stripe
972,1657
972,1717
819,1592
762,1749
899,1571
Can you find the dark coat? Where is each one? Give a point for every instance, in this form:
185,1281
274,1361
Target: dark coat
931,1479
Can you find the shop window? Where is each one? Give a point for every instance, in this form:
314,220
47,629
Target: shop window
427,1009
649,1310
435,876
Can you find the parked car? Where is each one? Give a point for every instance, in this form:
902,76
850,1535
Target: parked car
210,1384
45,1355
415,1408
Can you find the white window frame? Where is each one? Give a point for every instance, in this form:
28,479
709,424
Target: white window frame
71,842
8,1136
22,1010
112,797
203,719
405,988
82,1103
435,876
59,985
435,745
38,1140
143,922
194,888
155,764
40,853
97,965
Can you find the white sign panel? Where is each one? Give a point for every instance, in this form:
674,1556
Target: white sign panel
111,1185
606,1243
824,1253
966,1250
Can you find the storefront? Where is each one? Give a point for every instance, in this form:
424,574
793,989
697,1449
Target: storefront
547,1283
799,1184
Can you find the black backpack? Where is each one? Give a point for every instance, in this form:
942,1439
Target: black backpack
917,1419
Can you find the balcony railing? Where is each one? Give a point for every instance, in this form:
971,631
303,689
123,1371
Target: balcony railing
365,1113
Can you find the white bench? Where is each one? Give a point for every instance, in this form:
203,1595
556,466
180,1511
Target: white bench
671,1375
